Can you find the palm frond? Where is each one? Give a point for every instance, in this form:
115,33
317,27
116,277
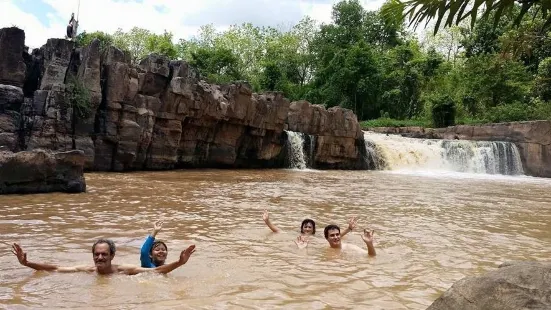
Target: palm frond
418,11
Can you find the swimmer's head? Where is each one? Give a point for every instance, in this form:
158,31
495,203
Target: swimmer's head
332,234
158,253
103,252
308,226
110,243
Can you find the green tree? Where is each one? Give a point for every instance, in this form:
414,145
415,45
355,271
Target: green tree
494,80
142,42
543,80
447,42
484,37
134,41
84,39
403,81
161,44
217,65
527,42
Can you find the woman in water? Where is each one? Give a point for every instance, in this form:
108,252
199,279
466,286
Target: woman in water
154,252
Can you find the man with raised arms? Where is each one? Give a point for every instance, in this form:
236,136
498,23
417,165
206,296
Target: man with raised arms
333,236
103,252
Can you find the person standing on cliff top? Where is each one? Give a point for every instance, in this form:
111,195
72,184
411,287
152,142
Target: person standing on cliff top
103,252
153,253
71,27
332,234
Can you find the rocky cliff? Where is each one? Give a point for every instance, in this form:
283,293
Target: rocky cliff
157,115
533,139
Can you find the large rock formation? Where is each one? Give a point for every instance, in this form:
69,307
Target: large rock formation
41,171
533,139
12,66
522,285
162,116
339,142
156,115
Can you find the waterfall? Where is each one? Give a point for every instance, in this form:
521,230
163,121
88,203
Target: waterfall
295,150
300,150
395,152
373,156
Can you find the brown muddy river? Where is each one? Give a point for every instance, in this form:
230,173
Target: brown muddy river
431,230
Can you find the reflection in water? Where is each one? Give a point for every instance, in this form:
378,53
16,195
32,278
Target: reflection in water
431,230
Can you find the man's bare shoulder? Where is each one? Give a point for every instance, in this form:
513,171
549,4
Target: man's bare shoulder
352,248
130,269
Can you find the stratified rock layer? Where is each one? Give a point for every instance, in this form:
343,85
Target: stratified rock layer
41,171
158,114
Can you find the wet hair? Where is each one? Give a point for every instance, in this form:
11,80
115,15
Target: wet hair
328,228
306,221
155,244
112,248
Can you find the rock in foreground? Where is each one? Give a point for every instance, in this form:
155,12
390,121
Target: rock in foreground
519,285
40,171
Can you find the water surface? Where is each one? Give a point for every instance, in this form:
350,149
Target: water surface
432,229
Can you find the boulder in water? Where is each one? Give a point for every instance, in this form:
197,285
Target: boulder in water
517,285
41,171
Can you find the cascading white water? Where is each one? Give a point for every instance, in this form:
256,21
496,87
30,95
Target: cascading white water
295,150
310,147
399,153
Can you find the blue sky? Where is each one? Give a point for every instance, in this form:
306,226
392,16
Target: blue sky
43,19
38,8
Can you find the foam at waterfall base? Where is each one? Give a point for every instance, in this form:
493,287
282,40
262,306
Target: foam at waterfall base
442,174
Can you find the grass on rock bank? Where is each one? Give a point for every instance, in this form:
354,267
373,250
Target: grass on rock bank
425,123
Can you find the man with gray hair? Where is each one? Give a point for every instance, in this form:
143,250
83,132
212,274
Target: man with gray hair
103,251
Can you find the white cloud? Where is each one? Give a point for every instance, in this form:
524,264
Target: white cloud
182,18
36,33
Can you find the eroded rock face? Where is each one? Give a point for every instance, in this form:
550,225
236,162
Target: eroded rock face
533,139
161,116
157,115
42,171
521,285
11,98
339,142
12,64
57,57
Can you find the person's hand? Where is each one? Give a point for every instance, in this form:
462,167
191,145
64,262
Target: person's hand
301,242
184,256
21,255
352,223
157,227
367,237
266,216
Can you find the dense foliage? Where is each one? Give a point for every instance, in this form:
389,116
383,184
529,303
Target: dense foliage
367,61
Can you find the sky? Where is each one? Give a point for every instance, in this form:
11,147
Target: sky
43,19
